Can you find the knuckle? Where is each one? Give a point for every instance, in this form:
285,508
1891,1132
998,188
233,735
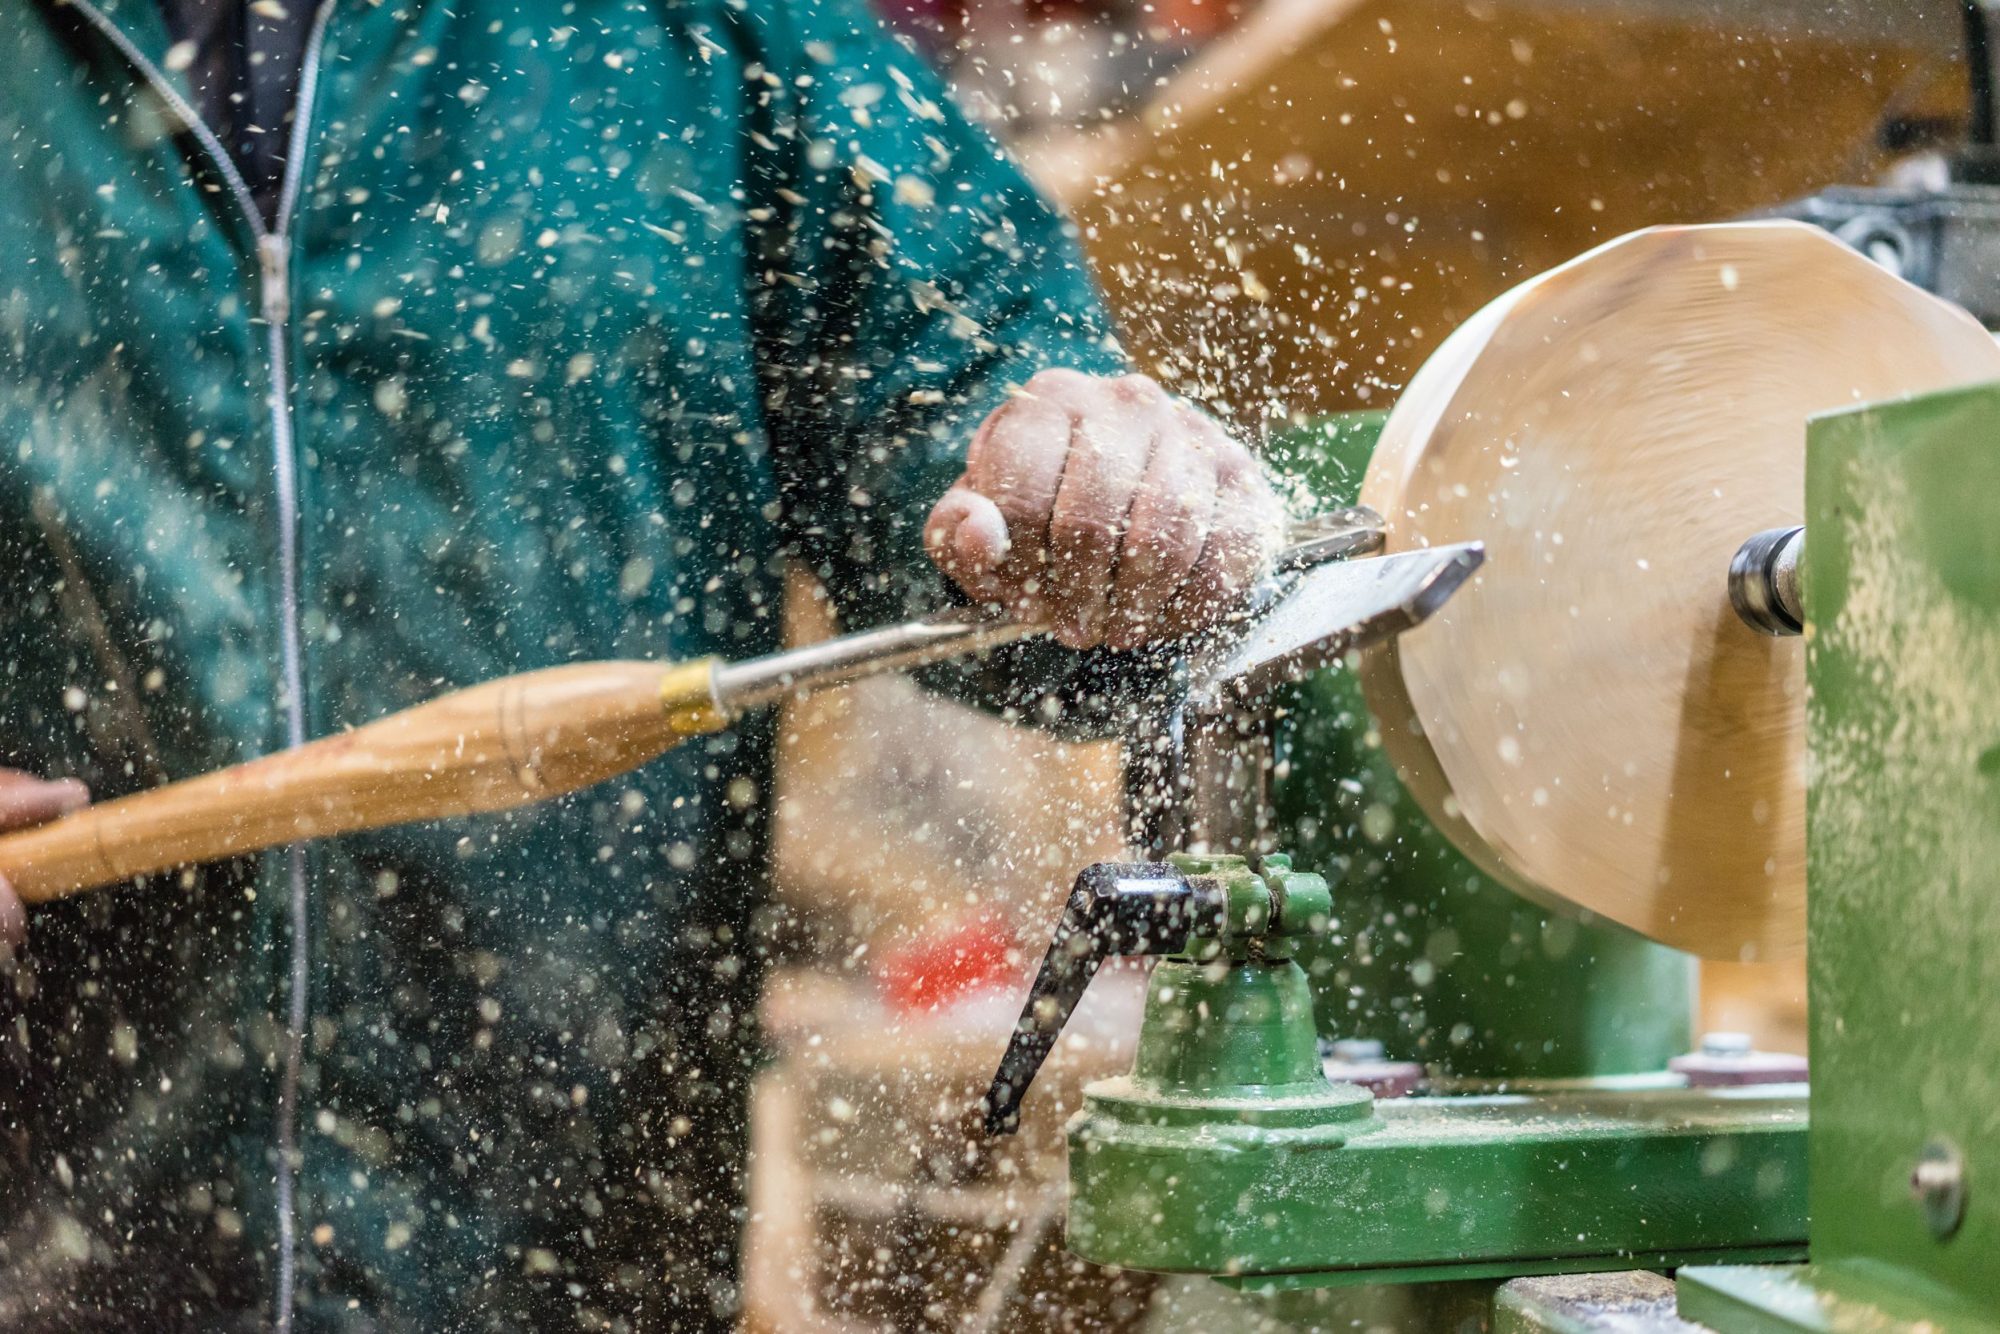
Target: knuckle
1232,458
1081,534
1058,381
1158,533
1025,523
997,436
1017,501
997,423
1137,388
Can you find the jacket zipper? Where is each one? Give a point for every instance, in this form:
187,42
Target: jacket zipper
275,302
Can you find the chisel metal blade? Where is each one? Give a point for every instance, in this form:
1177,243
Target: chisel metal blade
958,631
1311,619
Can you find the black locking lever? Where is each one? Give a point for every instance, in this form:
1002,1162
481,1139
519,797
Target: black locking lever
1114,908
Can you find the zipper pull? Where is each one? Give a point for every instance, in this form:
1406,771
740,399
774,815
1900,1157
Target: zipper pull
273,261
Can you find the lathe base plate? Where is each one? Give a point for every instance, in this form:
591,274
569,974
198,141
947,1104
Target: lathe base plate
1465,1186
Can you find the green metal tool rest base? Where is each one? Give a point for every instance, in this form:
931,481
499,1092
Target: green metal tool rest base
1435,1189
1228,1151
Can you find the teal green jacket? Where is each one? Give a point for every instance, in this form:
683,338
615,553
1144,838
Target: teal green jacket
581,317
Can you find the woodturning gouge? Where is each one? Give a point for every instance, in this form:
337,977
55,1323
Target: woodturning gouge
510,742
506,743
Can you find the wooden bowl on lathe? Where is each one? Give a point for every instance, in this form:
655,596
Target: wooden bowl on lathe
1590,721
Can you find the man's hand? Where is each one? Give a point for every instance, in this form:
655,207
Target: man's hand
28,800
1106,508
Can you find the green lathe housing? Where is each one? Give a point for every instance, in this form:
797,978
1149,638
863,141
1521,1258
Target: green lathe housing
1554,1175
1902,589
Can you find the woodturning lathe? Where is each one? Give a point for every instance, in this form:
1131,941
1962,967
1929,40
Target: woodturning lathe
1613,717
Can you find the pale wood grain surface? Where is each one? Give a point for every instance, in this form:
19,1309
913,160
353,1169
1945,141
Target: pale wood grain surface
1589,720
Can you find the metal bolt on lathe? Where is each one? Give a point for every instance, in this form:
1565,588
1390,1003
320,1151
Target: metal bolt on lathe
1937,1184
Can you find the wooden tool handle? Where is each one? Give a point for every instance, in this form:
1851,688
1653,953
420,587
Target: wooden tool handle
506,743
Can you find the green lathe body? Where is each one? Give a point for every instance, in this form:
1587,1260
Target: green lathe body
1902,591
1558,1145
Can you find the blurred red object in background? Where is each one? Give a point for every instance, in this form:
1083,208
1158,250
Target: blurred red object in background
947,963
